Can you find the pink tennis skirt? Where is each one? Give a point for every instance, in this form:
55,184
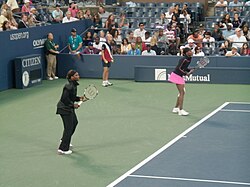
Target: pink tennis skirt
177,79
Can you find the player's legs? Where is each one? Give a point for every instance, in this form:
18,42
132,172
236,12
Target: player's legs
105,76
68,129
180,99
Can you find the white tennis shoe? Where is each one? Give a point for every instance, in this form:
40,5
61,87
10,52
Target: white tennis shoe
183,113
175,110
109,83
104,84
55,77
60,152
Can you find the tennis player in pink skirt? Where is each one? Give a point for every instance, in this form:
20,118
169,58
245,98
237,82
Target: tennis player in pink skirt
177,77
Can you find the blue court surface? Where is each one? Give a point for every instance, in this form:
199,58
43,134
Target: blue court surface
214,152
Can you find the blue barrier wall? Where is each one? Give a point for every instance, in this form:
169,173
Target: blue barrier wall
234,70
30,41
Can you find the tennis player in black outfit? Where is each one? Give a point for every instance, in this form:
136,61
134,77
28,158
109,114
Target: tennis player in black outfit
177,77
66,108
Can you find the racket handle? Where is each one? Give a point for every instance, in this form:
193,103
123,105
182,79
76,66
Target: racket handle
79,103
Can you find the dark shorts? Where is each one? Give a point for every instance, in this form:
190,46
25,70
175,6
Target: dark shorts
106,64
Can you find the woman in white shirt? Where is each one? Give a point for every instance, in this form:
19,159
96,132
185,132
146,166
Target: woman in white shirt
198,51
125,46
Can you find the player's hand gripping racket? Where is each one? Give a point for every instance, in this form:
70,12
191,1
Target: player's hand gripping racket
90,92
202,63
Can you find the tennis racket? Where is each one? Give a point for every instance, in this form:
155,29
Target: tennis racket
90,92
202,62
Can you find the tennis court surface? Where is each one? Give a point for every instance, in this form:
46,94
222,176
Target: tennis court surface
213,152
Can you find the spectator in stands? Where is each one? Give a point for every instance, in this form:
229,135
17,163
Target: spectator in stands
177,10
169,13
26,7
7,26
147,37
102,36
123,22
87,38
68,18
198,51
87,14
217,33
180,53
208,41
173,38
51,50
236,20
148,51
80,15
125,46
185,18
237,39
73,9
201,30
140,31
103,14
117,37
90,49
245,50
110,22
175,19
228,32
186,9
57,14
3,17
226,19
191,44
246,32
31,21
23,23
74,42
134,50
34,14
97,44
154,46
97,22
222,4
235,6
197,38
130,36
159,23
233,52
225,47
247,3
140,44
162,42
11,19
13,5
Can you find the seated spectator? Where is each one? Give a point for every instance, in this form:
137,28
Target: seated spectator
7,26
3,17
73,9
228,32
162,42
173,38
208,41
236,20
246,32
225,47
90,49
232,53
169,13
80,15
74,42
103,14
226,19
134,50
201,30
245,50
125,46
116,36
222,4
186,9
198,51
161,22
191,44
87,14
140,44
235,6
31,21
110,22
11,19
23,23
102,36
147,37
97,44
196,37
123,22
35,16
68,18
237,39
217,33
97,22
87,38
13,5
148,51
57,14
180,53
140,31
130,37
153,44
177,10
26,7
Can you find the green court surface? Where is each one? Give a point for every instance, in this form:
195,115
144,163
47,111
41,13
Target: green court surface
121,127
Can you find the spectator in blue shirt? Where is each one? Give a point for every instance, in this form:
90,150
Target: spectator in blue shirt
74,42
134,50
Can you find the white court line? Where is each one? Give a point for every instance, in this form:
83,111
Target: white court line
243,103
189,179
228,110
166,146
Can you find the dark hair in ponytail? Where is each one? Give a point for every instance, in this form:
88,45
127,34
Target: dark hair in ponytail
71,73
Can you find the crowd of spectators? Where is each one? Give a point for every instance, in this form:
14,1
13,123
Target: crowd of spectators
168,36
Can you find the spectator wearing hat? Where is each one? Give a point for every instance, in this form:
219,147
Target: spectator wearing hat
196,37
74,42
57,14
90,49
148,51
233,52
68,18
13,5
208,40
228,32
26,7
237,39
